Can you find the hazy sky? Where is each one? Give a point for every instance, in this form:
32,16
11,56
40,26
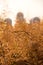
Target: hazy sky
30,8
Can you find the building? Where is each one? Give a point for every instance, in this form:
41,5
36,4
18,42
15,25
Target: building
35,20
8,21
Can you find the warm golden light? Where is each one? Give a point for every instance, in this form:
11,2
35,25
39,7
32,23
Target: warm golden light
30,8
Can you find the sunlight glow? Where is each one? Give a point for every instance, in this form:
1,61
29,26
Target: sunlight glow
1,8
30,8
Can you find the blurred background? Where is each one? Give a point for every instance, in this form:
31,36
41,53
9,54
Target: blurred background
30,8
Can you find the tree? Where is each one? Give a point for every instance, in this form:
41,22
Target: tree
4,50
34,54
